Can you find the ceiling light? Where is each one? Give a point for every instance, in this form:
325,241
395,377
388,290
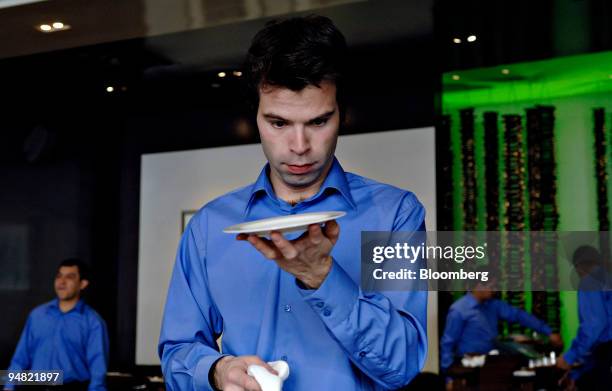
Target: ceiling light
457,40
505,71
237,73
110,89
221,74
471,38
51,28
456,77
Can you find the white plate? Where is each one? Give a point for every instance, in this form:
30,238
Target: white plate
289,223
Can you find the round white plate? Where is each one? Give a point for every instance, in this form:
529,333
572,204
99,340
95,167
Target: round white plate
289,223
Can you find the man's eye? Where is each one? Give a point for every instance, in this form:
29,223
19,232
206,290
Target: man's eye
278,124
319,122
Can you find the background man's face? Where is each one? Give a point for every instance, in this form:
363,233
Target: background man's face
68,283
298,132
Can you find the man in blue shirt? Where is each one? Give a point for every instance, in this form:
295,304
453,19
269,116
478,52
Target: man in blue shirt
591,349
66,334
472,324
294,297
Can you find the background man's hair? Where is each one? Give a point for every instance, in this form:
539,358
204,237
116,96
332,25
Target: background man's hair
492,277
84,271
586,255
295,53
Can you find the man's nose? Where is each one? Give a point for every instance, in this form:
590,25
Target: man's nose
300,143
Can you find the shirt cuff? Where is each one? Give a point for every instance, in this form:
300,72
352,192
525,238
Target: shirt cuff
202,369
335,298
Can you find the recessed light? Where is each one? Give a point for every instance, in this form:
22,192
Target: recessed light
457,40
456,77
505,71
471,38
53,27
110,89
221,74
237,73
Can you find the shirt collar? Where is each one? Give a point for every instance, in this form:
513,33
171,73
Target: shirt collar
336,179
78,307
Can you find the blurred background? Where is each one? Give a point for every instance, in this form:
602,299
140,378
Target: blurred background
90,87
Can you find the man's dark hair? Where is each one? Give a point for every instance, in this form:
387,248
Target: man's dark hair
586,256
82,266
295,53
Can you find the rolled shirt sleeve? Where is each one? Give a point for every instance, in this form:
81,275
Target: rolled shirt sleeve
191,323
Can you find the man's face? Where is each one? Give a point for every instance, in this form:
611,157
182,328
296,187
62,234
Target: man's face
68,283
298,133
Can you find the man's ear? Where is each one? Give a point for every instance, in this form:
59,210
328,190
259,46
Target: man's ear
84,284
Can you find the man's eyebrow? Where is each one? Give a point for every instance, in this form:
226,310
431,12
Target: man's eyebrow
277,117
274,116
323,116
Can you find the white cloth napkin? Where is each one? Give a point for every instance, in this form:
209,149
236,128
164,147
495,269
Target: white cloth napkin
268,381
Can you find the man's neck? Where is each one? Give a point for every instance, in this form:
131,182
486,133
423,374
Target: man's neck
67,305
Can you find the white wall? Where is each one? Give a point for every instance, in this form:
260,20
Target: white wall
177,181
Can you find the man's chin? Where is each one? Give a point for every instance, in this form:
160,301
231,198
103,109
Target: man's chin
300,180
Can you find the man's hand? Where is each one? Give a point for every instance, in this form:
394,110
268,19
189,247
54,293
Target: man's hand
555,339
306,257
562,364
231,373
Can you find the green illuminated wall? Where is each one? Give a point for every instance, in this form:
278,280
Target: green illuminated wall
574,85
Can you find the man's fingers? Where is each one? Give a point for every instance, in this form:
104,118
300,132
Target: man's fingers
251,384
315,235
332,231
242,237
258,361
263,247
286,248
240,379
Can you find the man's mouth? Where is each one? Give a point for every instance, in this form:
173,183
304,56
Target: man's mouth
299,168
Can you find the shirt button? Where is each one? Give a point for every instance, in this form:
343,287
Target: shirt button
362,354
284,358
327,312
320,304
287,308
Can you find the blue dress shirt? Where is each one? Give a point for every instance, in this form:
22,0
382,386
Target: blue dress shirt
75,342
471,327
337,337
595,316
